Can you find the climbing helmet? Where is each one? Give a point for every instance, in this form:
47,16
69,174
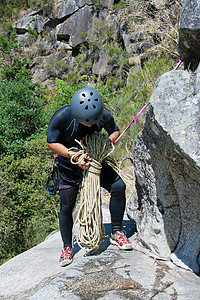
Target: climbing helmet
87,106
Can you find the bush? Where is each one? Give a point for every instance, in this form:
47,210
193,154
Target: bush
15,70
27,212
13,64
21,113
56,67
8,42
65,91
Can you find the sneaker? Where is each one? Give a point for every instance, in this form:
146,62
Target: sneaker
66,257
119,239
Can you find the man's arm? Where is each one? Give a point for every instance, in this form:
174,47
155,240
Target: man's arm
60,150
65,152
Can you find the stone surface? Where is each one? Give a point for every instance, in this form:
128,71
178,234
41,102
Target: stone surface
159,4
130,43
107,4
145,45
80,22
69,7
110,274
100,66
76,23
33,21
166,202
189,33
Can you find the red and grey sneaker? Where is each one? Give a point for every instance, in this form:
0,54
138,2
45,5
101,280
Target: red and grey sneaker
119,239
66,257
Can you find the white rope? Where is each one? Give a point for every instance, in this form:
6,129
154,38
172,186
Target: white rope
90,231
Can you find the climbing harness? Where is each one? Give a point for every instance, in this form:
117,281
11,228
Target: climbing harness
53,185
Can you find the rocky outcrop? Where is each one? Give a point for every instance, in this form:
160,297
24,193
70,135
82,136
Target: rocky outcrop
189,33
166,202
77,23
69,7
32,21
57,32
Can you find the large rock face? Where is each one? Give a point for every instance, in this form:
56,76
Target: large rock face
189,33
58,30
166,202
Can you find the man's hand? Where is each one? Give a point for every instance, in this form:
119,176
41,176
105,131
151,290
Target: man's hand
84,161
114,136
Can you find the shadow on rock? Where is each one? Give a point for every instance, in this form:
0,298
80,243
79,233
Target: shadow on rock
128,226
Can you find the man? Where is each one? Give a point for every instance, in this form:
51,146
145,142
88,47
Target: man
85,115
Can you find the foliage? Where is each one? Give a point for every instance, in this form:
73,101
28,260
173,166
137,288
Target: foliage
21,113
56,66
27,212
8,8
141,81
65,91
13,64
8,39
82,68
18,68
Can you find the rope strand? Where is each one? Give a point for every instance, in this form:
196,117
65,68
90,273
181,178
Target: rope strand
90,232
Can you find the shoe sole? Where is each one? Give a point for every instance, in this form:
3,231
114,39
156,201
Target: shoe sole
125,247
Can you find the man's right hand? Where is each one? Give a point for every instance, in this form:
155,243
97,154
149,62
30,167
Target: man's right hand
84,161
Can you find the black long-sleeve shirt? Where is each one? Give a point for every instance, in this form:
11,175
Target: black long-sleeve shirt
64,129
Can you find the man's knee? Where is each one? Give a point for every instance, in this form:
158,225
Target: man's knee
66,210
119,186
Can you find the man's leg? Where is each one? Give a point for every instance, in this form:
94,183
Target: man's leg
67,202
113,183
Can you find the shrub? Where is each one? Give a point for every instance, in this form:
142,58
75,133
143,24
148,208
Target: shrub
21,113
56,67
27,212
65,91
13,64
8,42
141,81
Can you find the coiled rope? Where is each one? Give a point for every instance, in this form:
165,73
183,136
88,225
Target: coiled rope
90,231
